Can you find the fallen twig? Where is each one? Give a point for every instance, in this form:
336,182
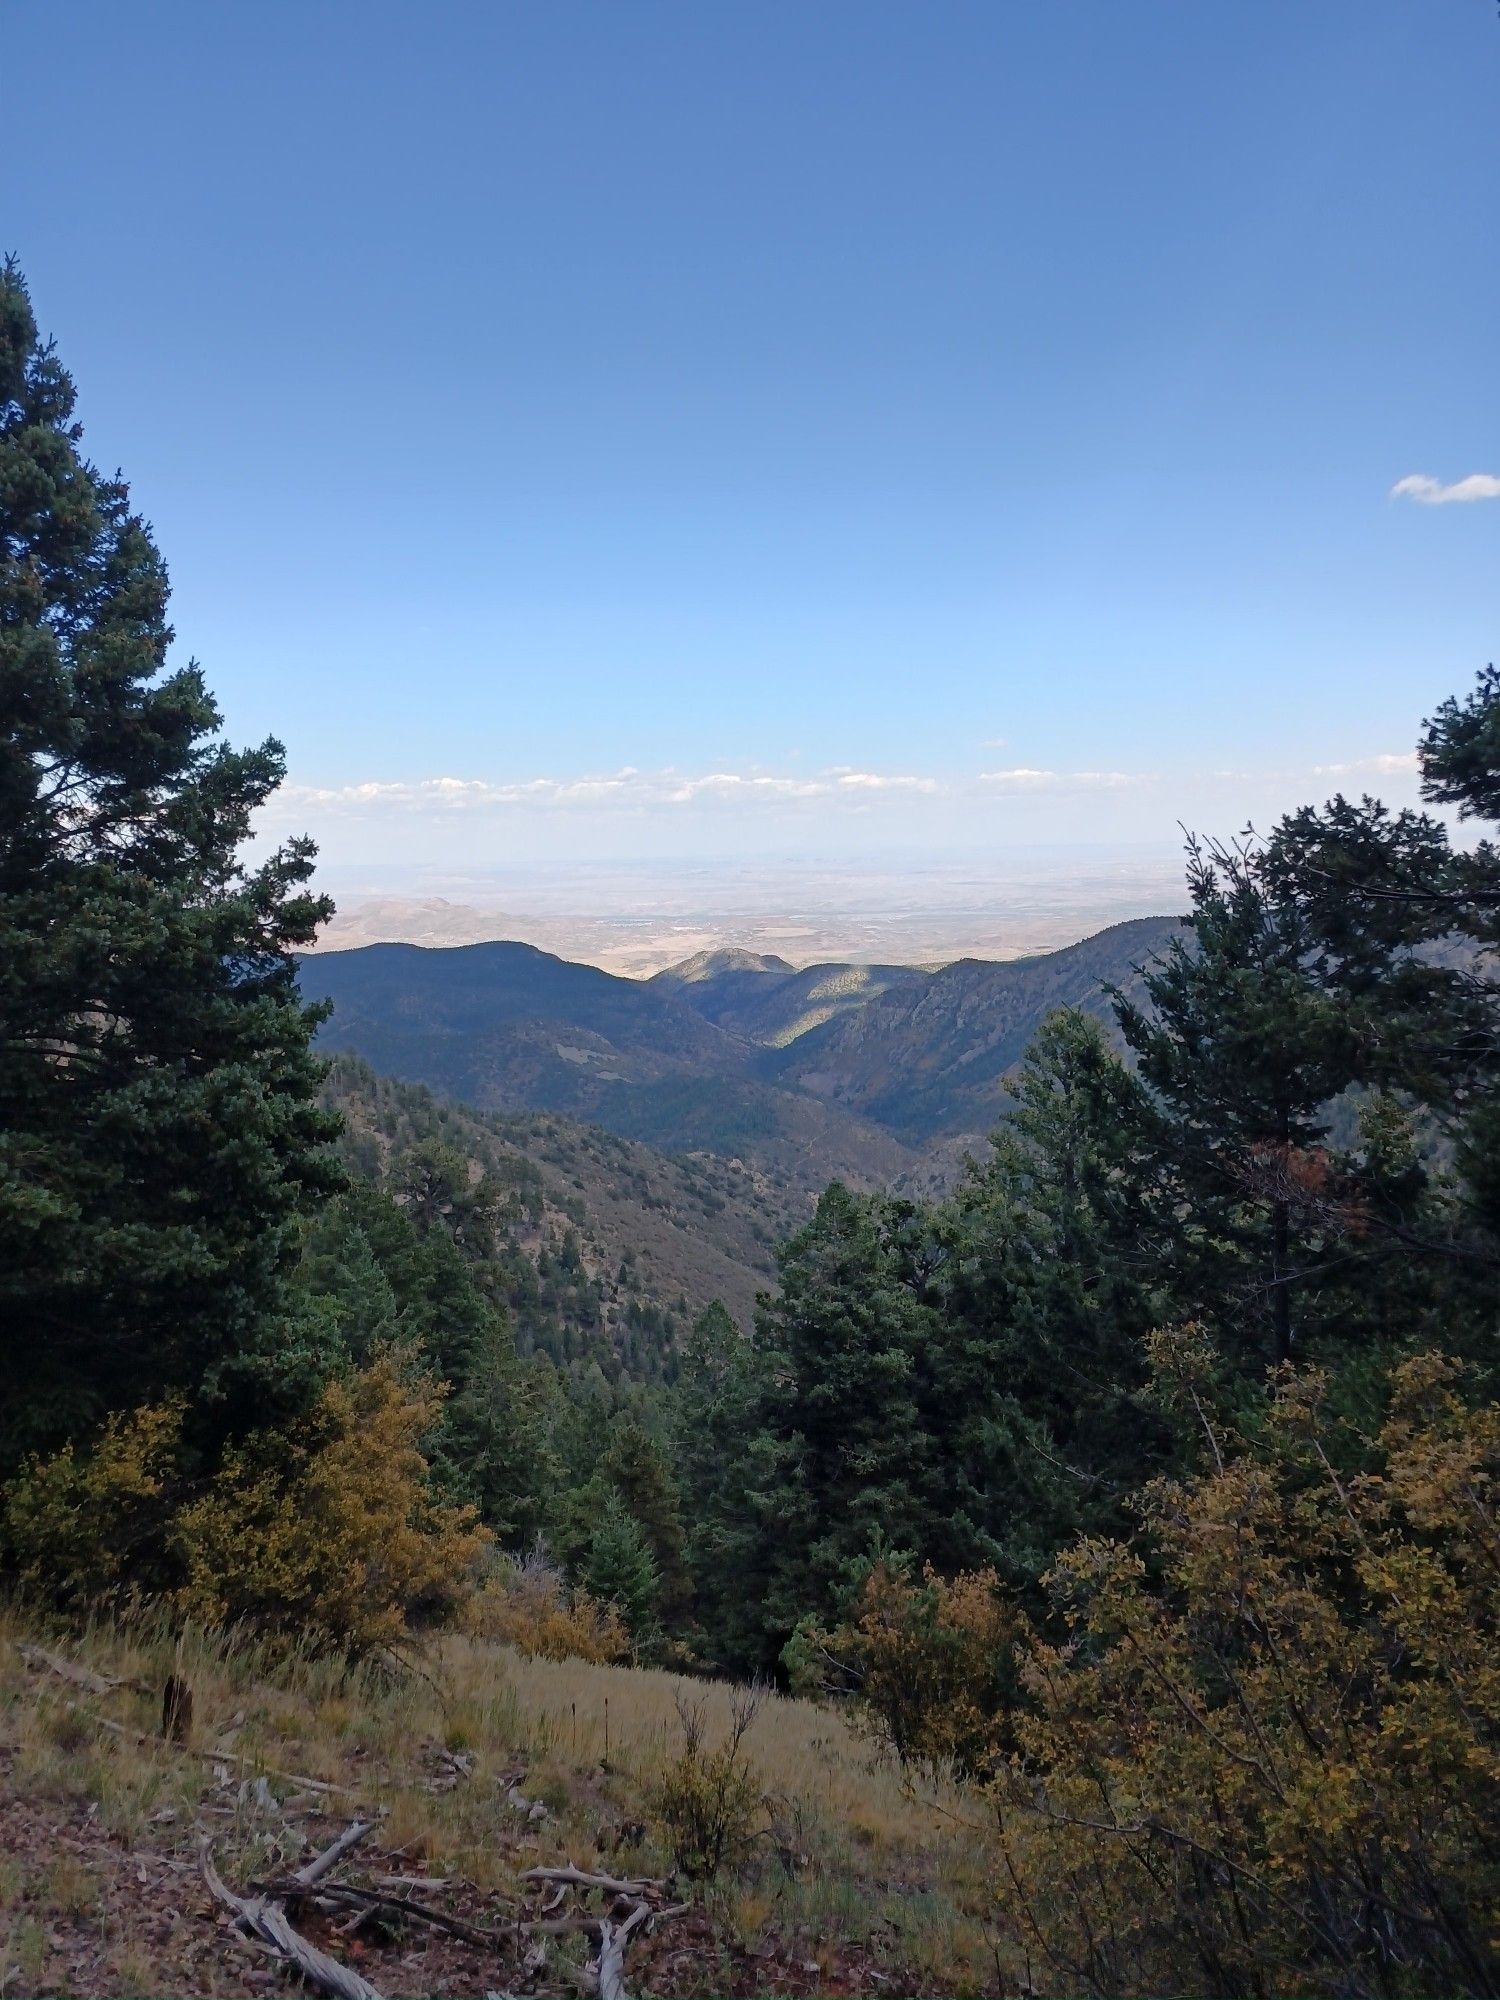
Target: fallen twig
609,1967
323,1787
40,1660
324,1863
268,1921
636,1887
376,1901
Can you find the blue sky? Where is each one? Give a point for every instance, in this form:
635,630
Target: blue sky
669,429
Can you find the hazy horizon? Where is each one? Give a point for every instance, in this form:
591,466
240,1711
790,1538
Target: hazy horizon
634,918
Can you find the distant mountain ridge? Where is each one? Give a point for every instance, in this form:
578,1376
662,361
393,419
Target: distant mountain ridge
508,1028
825,1072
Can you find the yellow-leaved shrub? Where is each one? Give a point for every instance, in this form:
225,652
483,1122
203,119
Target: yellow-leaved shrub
1267,1758
930,1657
340,1538
81,1526
330,1534
526,1603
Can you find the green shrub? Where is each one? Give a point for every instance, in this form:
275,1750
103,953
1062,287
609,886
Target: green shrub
709,1800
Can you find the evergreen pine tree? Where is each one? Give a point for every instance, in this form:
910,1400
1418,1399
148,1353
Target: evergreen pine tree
339,1275
1460,761
1404,926
636,1467
1068,1247
435,1187
1246,1048
744,1506
490,1449
159,1129
621,1570
843,1339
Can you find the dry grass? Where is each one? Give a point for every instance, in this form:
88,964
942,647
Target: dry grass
848,1868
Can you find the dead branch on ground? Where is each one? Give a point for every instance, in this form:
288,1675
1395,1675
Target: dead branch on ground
636,1886
41,1661
267,1921
324,1863
642,1893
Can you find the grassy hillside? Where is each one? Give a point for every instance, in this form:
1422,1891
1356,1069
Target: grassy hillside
505,1028
763,999
846,1882
928,1059
603,1239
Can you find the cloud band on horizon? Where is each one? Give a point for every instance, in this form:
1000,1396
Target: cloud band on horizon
673,791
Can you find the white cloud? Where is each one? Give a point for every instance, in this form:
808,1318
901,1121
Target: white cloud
1430,492
1386,764
875,781
628,788
737,785
1021,775
1023,778
671,792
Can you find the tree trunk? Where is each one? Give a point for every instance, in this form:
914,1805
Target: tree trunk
1281,1290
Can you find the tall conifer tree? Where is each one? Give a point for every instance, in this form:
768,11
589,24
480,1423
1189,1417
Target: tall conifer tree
158,1118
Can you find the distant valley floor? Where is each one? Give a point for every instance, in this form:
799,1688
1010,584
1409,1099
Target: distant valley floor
637,921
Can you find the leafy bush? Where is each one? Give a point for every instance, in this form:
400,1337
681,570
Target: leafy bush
708,1800
336,1535
1267,1760
527,1604
330,1532
80,1527
931,1661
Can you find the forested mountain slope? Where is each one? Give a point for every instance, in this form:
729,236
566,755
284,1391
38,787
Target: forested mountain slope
929,1058
606,1245
507,1028
831,1072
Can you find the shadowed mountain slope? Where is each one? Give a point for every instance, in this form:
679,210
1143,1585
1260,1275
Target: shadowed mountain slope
928,1059
508,1028
830,1072
653,1240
